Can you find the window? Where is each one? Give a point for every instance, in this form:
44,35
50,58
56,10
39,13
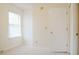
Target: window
14,25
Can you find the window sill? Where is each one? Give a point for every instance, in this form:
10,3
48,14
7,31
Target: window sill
14,37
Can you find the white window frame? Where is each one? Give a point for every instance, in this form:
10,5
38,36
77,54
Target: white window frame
19,28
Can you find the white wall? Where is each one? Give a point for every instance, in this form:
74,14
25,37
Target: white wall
3,26
5,41
27,27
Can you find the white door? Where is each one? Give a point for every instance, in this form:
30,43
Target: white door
50,27
57,29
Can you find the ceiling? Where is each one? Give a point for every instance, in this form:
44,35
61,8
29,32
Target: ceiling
26,6
29,6
23,6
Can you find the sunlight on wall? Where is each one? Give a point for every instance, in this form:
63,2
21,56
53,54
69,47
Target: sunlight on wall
27,27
